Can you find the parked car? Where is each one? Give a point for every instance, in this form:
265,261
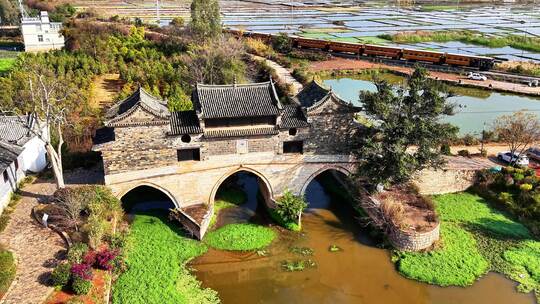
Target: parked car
506,156
477,76
534,153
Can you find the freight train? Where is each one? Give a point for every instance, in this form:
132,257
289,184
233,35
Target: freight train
480,62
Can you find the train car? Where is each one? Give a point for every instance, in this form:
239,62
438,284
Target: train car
311,43
482,63
426,56
383,51
344,47
457,59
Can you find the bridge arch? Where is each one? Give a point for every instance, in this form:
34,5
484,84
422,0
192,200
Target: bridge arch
266,189
326,168
154,186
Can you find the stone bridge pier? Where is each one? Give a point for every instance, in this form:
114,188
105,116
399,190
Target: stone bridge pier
192,188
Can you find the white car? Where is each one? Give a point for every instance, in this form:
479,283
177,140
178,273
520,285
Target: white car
477,76
521,160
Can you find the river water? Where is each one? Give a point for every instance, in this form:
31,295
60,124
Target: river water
472,112
359,273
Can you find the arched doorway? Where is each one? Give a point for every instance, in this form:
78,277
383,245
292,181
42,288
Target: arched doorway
240,196
326,187
146,198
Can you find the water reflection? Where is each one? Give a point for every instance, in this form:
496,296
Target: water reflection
473,112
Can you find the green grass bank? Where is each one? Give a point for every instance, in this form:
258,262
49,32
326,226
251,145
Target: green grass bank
476,238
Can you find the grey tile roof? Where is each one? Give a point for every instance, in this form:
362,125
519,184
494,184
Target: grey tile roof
14,129
8,154
240,132
311,94
140,97
184,122
237,100
293,117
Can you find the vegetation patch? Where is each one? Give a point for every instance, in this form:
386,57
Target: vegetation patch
457,263
298,265
6,64
227,198
7,270
241,237
156,265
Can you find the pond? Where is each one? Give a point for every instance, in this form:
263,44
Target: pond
475,109
359,273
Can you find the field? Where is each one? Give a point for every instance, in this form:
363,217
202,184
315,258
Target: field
475,239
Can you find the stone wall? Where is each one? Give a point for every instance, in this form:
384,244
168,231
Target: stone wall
431,182
413,241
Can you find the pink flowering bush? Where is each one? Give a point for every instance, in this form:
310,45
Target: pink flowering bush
104,259
82,271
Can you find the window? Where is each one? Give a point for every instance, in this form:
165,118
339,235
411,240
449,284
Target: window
293,131
185,138
16,164
188,154
6,177
40,38
293,147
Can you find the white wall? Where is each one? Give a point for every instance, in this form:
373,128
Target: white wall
33,158
32,28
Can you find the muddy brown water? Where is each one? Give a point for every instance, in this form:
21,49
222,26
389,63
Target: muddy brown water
360,273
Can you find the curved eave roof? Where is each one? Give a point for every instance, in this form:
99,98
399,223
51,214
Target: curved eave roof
139,98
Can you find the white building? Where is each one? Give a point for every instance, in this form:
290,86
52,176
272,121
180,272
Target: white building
40,34
21,152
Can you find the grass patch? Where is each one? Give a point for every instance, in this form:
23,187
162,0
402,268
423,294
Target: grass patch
6,64
7,270
476,238
457,263
240,237
156,265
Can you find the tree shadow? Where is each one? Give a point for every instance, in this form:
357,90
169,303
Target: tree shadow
499,229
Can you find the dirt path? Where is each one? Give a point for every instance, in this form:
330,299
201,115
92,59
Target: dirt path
36,249
105,89
337,63
283,74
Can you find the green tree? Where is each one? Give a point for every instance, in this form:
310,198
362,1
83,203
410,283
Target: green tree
177,22
282,43
407,132
205,18
9,14
289,207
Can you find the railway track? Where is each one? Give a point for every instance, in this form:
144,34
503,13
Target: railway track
502,76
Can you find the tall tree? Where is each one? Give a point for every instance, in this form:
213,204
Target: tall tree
50,98
406,133
205,18
9,13
519,130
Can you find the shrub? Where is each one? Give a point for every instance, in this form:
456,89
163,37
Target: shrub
82,271
81,286
464,153
61,274
104,259
290,206
469,140
509,169
282,43
95,227
76,253
117,240
525,187
518,176
483,152
505,197
90,258
445,149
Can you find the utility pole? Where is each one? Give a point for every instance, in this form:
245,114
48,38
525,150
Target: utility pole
158,19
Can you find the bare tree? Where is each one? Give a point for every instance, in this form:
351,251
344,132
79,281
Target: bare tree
69,205
519,130
48,98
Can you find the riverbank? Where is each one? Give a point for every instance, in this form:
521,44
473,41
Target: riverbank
338,65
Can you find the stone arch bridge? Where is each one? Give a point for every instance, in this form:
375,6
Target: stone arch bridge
188,154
